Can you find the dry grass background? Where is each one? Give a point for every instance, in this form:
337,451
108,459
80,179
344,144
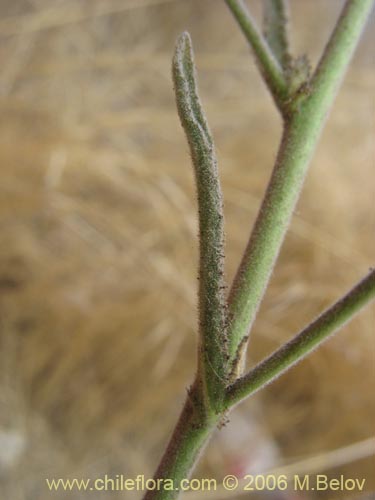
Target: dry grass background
98,251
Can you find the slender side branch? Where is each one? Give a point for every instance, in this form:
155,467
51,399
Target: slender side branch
301,133
336,56
212,308
305,342
276,30
266,60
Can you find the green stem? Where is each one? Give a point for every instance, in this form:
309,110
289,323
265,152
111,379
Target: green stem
188,440
301,133
305,342
267,62
276,30
210,396
336,56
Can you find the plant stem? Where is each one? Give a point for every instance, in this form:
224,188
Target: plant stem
304,115
275,29
305,342
187,442
336,56
267,62
301,133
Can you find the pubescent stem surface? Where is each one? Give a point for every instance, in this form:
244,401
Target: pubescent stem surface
268,64
187,442
305,342
275,29
300,137
304,119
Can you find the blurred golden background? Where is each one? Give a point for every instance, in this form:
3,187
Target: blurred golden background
98,252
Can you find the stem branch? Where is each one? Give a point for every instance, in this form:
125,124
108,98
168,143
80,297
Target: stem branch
305,342
300,137
304,114
337,54
266,60
276,30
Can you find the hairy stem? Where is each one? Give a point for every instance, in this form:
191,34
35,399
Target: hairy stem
276,30
301,133
304,114
212,302
188,440
305,342
336,56
268,64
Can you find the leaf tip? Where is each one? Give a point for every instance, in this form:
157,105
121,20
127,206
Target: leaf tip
184,43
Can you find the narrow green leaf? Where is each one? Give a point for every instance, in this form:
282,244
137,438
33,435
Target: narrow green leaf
212,308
